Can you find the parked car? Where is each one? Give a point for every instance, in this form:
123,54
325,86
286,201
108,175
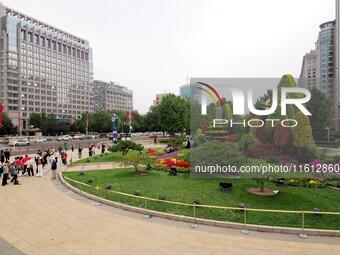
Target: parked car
39,140
79,136
20,142
65,138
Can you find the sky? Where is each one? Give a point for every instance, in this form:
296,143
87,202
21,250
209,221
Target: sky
153,46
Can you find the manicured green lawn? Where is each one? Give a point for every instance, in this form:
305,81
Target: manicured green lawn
183,188
106,157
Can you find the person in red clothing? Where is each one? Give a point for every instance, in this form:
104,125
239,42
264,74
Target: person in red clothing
64,158
25,163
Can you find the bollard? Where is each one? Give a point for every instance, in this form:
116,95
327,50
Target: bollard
194,224
244,231
146,216
303,235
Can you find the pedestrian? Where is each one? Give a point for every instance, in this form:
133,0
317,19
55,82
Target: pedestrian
39,167
2,157
30,167
72,148
80,150
93,150
7,155
90,151
64,158
5,174
103,148
14,173
25,163
53,168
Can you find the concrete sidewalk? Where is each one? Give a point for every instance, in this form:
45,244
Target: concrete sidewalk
40,217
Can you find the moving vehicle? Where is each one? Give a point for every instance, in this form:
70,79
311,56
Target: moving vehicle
20,142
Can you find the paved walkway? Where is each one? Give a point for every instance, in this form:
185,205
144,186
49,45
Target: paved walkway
41,217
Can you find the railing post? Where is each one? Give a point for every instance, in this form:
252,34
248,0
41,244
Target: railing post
97,195
146,215
80,197
244,231
194,224
303,235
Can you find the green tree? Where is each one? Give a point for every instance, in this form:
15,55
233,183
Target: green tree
320,108
246,141
173,114
136,160
37,119
7,127
302,133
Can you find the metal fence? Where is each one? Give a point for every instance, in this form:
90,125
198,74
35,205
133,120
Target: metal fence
194,207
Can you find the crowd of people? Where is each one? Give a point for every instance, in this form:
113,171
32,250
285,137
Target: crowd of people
37,164
34,165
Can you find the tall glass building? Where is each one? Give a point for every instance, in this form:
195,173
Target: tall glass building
326,49
43,69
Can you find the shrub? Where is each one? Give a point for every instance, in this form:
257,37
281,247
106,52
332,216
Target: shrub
125,146
81,173
108,186
198,137
136,192
213,152
247,141
259,150
90,180
161,197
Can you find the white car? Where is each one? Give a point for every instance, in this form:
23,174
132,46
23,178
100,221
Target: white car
65,138
20,142
40,140
78,136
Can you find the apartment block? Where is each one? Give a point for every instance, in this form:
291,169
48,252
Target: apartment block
111,96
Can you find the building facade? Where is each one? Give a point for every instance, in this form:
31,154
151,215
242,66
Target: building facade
43,69
110,96
309,77
336,119
159,98
326,52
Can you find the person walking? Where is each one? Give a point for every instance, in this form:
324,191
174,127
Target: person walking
5,174
90,151
30,167
103,148
2,157
25,162
72,148
54,167
7,155
64,157
13,168
80,152
39,167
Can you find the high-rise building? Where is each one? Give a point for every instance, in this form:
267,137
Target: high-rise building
185,90
326,52
111,96
43,69
309,77
336,119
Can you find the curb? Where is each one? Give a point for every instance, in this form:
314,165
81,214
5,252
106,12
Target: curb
188,219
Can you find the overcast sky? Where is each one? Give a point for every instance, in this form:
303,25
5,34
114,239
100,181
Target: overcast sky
152,46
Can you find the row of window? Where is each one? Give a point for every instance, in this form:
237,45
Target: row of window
54,45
